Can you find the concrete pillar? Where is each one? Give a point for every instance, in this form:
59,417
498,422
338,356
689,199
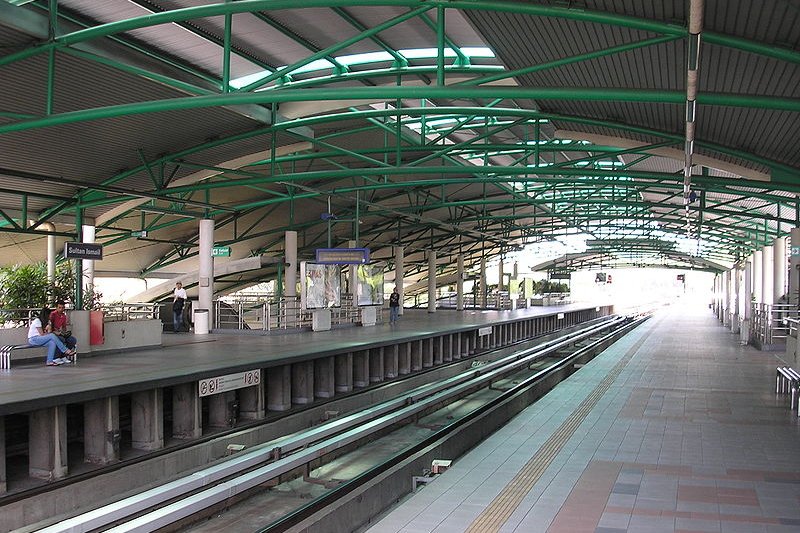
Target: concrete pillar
88,264
3,474
303,382
483,288
758,269
52,252
353,276
147,420
744,330
376,371
252,404
205,281
500,284
416,355
391,356
447,348
361,368
748,288
767,275
101,433
324,377
187,421
222,410
399,272
404,359
736,308
431,281
290,277
279,388
794,266
779,268
728,292
290,258
47,443
343,372
460,283
438,356
427,353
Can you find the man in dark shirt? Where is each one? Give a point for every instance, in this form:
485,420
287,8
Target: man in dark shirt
394,306
59,322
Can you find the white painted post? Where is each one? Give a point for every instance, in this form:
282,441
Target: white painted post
205,281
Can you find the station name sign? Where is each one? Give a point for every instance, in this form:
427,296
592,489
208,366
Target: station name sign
342,256
83,250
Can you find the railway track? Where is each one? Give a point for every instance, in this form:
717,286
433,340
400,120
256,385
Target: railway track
203,493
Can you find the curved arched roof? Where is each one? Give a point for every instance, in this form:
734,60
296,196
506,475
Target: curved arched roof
472,127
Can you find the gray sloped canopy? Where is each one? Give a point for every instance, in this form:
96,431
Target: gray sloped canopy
472,127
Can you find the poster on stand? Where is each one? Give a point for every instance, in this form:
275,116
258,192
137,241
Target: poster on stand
369,280
321,286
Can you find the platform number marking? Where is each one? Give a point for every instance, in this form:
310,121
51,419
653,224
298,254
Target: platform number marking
216,385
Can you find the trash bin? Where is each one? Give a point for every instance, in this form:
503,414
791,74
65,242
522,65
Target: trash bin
201,321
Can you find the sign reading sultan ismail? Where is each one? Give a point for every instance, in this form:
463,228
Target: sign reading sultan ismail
83,250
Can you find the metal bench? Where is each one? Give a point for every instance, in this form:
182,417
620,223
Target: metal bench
787,380
6,351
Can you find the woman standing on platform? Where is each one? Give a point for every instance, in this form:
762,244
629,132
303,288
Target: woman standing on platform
38,337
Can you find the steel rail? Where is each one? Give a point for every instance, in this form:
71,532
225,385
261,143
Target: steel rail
226,479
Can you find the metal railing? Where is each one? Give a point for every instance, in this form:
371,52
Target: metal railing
276,314
121,312
14,318
771,323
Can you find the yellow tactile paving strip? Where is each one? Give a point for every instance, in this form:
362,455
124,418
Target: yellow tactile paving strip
501,508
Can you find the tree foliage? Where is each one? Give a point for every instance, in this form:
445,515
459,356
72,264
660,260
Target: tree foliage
27,287
545,286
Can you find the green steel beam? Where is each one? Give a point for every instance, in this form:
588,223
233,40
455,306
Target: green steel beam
570,60
245,6
366,93
333,48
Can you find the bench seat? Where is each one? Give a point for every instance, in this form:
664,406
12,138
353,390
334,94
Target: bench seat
7,350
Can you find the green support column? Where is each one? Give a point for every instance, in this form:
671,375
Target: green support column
78,302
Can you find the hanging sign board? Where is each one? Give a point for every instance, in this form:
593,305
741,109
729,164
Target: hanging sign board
795,251
240,380
83,250
342,256
221,251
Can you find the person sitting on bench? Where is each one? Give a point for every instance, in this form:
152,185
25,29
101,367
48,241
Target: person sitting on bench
59,322
38,337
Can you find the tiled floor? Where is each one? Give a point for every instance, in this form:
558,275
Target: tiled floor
688,437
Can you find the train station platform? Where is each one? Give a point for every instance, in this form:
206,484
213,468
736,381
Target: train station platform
676,427
185,357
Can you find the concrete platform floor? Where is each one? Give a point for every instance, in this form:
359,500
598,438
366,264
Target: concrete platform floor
185,357
675,428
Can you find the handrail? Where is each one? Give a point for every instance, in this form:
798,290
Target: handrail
123,312
275,314
772,323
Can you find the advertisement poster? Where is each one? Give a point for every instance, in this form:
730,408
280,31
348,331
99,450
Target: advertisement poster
320,287
370,284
